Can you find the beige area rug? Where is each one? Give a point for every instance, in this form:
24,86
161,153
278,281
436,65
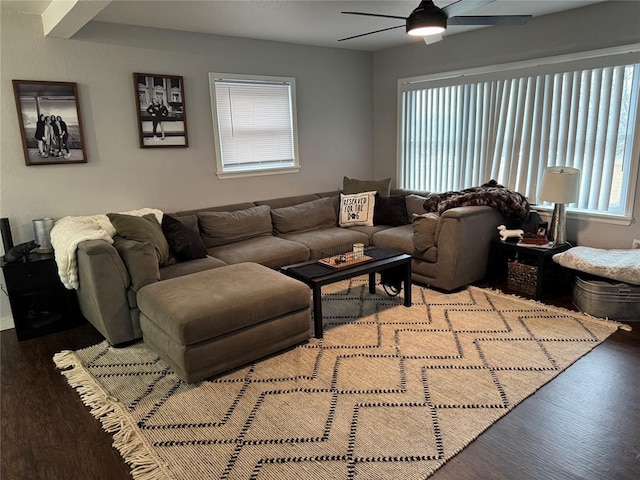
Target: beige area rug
389,393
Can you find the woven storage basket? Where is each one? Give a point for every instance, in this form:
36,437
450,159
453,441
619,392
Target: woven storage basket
522,278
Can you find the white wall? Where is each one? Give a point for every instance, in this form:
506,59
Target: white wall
334,92
603,25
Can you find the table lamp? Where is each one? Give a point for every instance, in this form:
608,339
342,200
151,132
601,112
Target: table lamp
560,185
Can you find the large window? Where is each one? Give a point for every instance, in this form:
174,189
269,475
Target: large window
463,129
254,124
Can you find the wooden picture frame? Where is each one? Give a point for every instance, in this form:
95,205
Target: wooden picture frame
50,122
160,108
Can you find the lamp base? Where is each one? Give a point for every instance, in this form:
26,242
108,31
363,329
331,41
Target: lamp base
558,229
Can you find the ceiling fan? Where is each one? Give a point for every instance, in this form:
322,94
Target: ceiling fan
429,21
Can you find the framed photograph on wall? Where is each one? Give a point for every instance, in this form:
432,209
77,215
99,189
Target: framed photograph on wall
50,122
162,118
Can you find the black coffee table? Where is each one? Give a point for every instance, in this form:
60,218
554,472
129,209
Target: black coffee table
316,275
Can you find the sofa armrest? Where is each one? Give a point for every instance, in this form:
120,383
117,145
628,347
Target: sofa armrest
463,237
102,294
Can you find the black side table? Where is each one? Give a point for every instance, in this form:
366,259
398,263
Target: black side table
40,303
552,279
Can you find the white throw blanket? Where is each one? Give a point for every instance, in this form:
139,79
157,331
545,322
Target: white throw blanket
68,232
621,265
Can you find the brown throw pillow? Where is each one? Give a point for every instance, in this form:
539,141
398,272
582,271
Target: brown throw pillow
352,185
142,229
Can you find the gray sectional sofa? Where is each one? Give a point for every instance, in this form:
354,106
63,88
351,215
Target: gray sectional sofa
449,251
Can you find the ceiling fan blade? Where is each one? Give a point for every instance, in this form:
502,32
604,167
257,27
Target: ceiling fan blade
489,20
430,39
460,7
369,33
374,15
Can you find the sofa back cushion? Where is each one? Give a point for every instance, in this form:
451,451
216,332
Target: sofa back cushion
424,231
415,205
218,208
287,201
304,217
222,228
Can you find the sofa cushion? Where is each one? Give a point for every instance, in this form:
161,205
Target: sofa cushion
415,205
390,211
184,242
234,207
218,302
282,202
424,232
324,242
187,268
352,185
369,231
357,209
395,238
141,261
304,217
270,251
222,228
143,229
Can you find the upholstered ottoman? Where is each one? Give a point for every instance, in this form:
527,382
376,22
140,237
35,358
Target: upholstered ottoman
209,322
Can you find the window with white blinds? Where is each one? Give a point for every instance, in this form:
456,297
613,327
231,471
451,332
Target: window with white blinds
254,124
509,129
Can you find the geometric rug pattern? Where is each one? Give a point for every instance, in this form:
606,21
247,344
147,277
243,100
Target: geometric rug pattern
390,392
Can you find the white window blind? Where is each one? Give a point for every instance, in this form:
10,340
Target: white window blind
255,123
458,136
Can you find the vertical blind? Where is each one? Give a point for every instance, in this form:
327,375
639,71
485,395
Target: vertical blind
255,123
458,136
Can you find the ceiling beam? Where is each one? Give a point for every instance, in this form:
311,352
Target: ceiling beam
63,18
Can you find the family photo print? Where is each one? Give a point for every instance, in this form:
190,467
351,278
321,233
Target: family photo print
162,119
50,122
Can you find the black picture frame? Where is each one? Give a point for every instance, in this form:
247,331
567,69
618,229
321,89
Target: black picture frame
50,122
161,110
542,229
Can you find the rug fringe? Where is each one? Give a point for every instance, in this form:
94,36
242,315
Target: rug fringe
620,325
112,414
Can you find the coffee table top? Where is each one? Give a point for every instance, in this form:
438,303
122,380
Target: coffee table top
313,271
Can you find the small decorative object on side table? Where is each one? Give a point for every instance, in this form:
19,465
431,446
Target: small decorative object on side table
534,272
40,304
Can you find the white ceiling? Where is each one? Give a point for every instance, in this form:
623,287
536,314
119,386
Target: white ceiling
307,22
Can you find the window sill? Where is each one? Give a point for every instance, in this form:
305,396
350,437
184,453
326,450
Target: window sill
257,173
587,216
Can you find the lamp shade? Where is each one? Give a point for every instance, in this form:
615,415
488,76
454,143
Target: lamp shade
560,185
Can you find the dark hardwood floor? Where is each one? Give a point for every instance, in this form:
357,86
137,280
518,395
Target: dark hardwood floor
585,424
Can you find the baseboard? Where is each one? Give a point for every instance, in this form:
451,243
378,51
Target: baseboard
6,323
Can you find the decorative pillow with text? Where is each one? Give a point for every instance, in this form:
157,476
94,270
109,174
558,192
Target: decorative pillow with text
357,209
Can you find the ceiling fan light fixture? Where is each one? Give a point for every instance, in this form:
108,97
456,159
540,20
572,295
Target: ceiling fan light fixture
425,31
425,20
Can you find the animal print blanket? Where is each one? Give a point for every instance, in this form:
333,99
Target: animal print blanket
491,194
